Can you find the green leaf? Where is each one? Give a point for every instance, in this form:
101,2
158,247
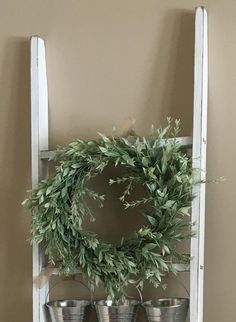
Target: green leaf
145,161
64,192
25,203
104,138
66,171
49,189
41,199
149,246
169,204
102,149
100,257
184,211
152,220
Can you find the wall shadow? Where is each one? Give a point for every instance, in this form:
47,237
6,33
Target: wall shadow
15,253
170,89
173,91
170,93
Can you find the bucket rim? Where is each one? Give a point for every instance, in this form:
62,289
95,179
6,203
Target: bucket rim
52,303
103,303
149,303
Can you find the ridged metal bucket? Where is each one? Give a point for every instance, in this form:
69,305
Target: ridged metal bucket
166,310
68,310
108,312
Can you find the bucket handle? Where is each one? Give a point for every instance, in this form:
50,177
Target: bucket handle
70,279
181,284
174,278
139,293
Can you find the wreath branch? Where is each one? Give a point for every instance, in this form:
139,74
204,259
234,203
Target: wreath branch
58,206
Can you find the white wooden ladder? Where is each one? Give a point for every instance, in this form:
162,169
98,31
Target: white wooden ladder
40,155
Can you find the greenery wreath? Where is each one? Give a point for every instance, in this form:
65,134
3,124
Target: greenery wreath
58,207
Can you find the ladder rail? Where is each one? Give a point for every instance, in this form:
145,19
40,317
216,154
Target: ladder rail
199,162
39,141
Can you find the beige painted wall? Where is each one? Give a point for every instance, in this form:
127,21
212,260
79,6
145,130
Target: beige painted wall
108,61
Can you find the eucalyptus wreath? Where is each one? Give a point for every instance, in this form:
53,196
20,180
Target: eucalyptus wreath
59,206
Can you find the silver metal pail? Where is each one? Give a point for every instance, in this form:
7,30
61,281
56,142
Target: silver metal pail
68,310
166,310
108,312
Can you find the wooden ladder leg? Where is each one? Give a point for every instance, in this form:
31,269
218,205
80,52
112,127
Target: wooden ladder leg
39,141
199,162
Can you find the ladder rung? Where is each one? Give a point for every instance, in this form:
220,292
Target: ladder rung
45,155
178,267
182,267
184,141
55,271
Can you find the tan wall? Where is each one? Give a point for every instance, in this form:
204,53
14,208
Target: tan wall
108,61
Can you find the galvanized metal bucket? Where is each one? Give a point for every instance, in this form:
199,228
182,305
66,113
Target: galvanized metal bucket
109,312
68,310
166,310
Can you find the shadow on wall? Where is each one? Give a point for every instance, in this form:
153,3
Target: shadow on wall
15,253
173,92
170,89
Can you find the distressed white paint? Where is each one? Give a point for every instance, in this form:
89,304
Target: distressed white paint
199,162
39,141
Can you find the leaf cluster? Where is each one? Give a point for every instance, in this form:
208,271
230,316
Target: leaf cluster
59,205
